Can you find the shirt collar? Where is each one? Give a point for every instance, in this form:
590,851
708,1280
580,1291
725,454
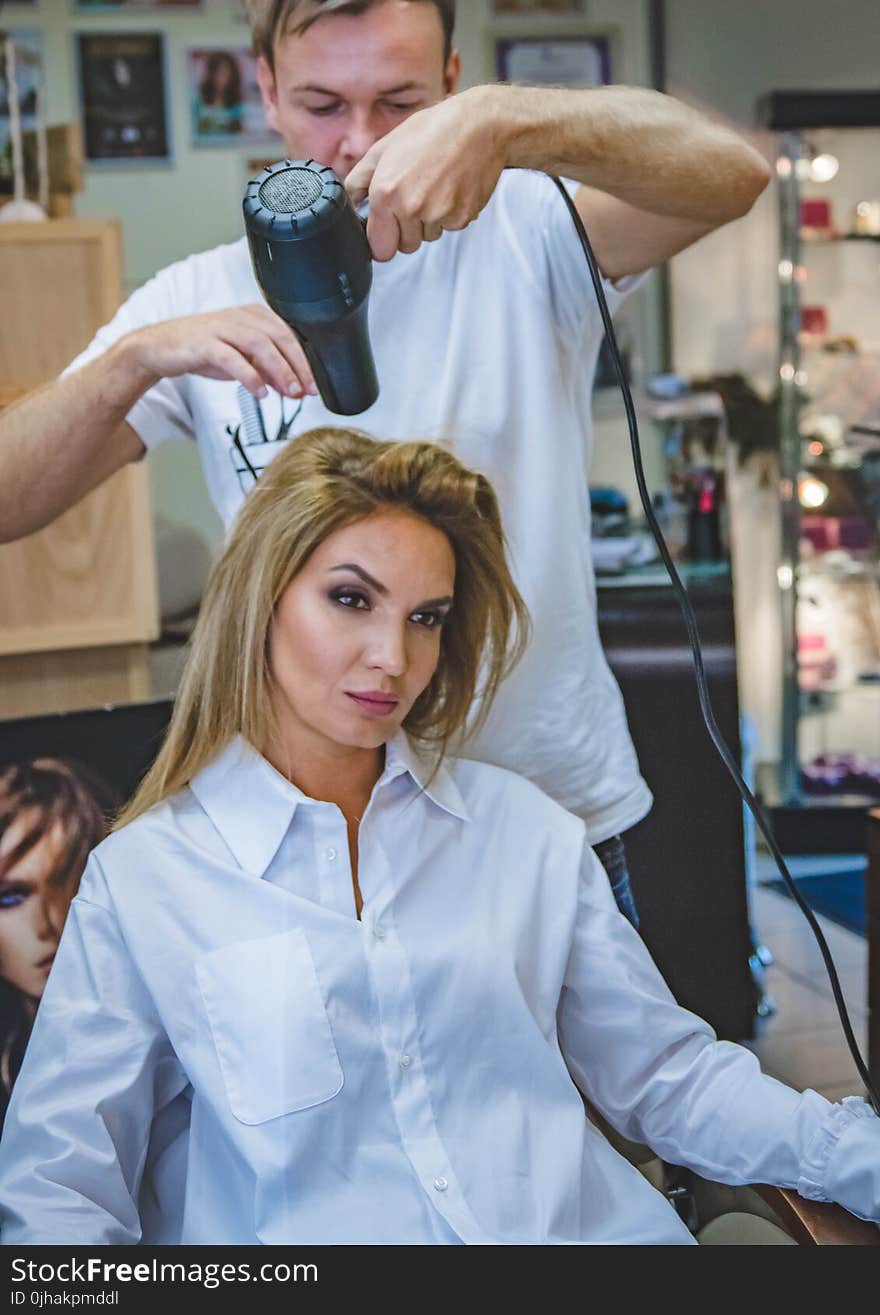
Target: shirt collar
402,755
252,805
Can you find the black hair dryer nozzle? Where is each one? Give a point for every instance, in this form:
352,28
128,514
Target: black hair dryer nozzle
313,263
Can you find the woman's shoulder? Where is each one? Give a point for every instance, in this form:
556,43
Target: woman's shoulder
485,787
165,822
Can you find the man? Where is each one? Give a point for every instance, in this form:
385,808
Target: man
488,337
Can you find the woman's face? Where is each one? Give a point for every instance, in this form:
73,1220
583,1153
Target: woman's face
223,74
28,939
355,638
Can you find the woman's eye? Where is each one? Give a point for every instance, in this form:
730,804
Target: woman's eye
430,620
322,109
12,896
350,598
401,109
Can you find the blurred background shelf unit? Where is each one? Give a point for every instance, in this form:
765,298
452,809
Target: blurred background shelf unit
829,436
78,603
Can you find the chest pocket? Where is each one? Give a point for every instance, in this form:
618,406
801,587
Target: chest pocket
270,1027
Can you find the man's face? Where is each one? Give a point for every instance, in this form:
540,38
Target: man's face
350,78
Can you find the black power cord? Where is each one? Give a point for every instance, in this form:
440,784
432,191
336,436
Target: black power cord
693,635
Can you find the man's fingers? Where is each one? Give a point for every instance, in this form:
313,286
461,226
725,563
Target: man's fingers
228,363
383,233
275,368
287,343
292,350
432,232
412,235
357,183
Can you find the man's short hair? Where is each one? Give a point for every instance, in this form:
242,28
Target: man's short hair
273,18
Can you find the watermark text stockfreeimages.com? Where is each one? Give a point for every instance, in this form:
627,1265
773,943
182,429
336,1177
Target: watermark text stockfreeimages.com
103,1272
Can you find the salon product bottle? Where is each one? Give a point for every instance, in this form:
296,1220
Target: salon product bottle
704,528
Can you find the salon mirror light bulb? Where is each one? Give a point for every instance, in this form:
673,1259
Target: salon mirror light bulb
812,493
823,168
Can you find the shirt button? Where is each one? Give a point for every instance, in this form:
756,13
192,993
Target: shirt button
379,931
440,1184
331,854
405,1061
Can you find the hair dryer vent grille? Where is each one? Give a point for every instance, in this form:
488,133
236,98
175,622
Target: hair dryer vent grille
291,191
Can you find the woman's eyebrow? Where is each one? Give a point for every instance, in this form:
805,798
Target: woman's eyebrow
382,589
365,576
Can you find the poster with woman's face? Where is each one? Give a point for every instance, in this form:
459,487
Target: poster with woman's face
122,94
225,102
52,814
122,6
537,6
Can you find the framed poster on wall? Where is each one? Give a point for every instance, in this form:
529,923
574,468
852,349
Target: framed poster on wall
126,6
28,45
554,61
63,777
123,97
537,6
224,96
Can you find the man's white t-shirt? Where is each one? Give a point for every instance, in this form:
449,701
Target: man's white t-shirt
486,339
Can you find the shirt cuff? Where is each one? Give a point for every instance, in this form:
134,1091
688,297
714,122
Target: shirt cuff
842,1163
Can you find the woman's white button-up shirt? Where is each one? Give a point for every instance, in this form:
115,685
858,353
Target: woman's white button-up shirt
224,1053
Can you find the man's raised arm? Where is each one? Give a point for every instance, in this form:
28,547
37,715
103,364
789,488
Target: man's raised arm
61,441
657,175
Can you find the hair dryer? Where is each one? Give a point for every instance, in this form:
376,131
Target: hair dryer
314,266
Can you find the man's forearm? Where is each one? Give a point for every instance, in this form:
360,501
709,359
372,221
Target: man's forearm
61,441
639,145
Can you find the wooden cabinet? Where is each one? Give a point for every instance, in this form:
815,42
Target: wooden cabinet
687,857
78,600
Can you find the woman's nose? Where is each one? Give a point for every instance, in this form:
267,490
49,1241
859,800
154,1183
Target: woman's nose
389,651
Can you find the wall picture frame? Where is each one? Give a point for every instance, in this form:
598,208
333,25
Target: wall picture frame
130,6
226,108
29,47
559,61
505,7
123,97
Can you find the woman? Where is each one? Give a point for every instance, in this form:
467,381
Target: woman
322,985
49,821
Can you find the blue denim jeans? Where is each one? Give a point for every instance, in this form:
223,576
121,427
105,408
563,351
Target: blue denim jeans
612,855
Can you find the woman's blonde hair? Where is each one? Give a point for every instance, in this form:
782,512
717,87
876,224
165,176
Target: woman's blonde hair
323,480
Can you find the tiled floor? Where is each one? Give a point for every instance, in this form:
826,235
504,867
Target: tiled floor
803,1043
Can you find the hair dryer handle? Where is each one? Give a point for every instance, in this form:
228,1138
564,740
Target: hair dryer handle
342,362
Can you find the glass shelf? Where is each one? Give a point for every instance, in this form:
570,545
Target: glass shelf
829,602
813,239
853,570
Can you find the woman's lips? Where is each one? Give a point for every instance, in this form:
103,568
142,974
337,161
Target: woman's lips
47,962
374,705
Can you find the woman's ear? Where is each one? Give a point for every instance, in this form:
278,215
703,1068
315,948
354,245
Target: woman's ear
268,92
